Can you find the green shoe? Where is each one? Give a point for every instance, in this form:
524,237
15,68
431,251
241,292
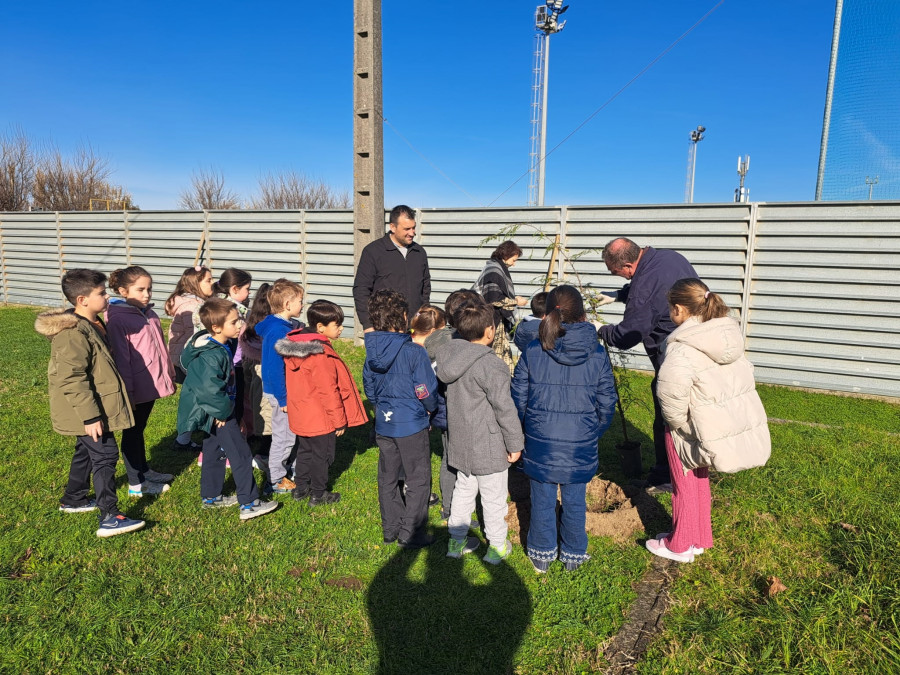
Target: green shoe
457,549
495,555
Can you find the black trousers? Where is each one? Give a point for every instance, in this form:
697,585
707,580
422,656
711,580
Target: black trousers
97,458
134,451
314,455
660,472
412,455
239,394
221,443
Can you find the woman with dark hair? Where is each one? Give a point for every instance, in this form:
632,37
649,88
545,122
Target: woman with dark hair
496,287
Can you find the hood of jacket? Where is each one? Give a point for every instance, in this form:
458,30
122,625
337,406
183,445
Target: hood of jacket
117,305
457,356
382,348
438,339
51,323
576,346
178,302
198,344
720,339
273,323
300,344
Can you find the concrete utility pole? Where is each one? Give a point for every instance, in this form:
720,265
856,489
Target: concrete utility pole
871,184
368,130
829,95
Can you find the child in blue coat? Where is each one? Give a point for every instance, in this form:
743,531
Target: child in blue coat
564,391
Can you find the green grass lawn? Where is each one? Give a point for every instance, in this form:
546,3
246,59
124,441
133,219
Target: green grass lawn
317,591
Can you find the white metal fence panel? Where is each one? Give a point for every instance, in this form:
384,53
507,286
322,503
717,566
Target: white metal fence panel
819,282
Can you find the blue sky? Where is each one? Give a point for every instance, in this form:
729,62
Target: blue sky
165,88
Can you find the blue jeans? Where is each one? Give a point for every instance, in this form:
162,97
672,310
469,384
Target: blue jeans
542,534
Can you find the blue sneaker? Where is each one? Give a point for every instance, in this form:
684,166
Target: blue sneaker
118,524
91,505
257,509
219,502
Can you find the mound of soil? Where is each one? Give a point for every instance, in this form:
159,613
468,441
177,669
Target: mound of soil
610,511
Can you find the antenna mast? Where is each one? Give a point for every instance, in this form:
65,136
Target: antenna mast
546,22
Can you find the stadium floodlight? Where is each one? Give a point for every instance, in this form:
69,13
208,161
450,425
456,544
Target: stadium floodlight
696,137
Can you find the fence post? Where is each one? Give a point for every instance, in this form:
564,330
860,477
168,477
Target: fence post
198,256
126,228
4,281
60,253
304,270
562,232
748,269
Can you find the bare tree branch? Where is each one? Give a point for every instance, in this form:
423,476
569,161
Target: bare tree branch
62,184
17,166
208,191
292,190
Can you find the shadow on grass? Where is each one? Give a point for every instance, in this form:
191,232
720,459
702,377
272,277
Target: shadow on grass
440,620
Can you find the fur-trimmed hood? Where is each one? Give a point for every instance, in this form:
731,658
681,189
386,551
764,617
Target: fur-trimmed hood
300,344
52,322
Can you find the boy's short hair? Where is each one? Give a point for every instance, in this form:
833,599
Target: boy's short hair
457,299
539,304
282,292
214,311
388,311
471,321
324,312
81,281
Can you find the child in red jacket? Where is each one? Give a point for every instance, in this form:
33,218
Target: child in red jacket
322,399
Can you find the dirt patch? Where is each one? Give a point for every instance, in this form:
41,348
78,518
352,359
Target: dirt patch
350,583
644,619
612,511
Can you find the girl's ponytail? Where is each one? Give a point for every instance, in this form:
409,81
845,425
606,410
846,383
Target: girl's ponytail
125,277
697,299
231,277
564,305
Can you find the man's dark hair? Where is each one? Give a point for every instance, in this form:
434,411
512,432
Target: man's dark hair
539,304
401,210
457,299
472,320
214,311
388,311
505,251
324,312
80,282
619,252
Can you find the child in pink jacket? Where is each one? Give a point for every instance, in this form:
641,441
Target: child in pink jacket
135,334
194,286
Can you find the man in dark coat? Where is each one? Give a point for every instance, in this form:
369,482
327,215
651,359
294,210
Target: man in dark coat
652,273
394,262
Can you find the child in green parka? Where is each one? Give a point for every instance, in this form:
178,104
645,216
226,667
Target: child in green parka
207,404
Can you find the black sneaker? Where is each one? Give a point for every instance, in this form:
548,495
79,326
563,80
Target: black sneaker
190,446
300,492
390,538
418,540
89,505
433,500
326,498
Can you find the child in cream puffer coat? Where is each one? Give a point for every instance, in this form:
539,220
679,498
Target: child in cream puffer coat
714,416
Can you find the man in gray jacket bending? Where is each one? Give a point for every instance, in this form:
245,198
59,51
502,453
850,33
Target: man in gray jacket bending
483,431
652,273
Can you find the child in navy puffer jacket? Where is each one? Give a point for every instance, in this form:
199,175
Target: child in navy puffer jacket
564,391
401,384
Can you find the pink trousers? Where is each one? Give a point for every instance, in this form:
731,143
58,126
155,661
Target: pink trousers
691,505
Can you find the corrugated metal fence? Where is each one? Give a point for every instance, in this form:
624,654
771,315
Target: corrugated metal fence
815,285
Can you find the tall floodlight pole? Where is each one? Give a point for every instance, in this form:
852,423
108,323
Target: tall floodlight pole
368,136
871,184
742,194
696,137
829,92
546,22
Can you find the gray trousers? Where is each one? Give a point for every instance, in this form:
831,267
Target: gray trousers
493,491
400,518
283,442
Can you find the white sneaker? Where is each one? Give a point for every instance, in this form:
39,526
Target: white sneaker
256,509
694,549
147,488
657,547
